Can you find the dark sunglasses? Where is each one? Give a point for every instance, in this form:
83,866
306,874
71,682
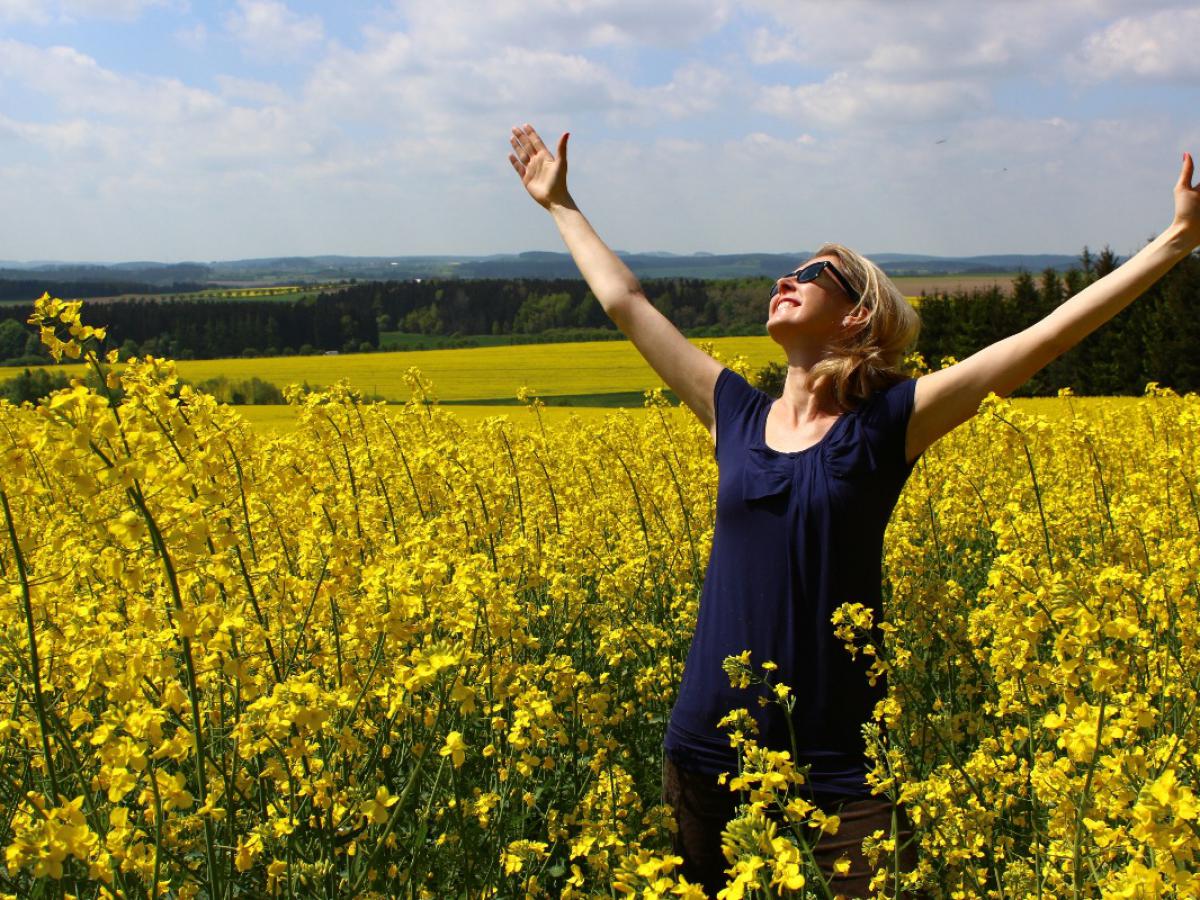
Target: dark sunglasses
812,272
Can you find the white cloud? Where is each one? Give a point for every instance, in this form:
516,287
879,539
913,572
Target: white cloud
24,11
269,28
564,26
76,139
194,37
846,100
694,88
153,130
78,84
260,92
393,138
1163,45
365,82
431,90
909,40
108,9
924,39
41,12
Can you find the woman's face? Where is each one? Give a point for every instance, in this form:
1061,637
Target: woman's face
817,307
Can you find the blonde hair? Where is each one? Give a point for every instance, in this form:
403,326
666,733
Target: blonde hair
870,357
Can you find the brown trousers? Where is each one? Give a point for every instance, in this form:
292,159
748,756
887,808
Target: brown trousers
702,808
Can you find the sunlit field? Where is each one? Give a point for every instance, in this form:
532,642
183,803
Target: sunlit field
476,373
394,653
275,418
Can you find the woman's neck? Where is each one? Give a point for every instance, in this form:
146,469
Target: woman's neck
801,402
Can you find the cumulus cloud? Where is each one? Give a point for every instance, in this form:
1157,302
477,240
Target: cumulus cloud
909,39
922,38
252,90
153,127
434,90
193,37
566,27
693,89
444,67
79,84
1162,45
392,137
844,99
23,11
270,28
109,9
41,12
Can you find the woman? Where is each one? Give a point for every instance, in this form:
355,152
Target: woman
806,485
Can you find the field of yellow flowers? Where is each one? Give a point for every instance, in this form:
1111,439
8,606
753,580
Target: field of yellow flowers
395,655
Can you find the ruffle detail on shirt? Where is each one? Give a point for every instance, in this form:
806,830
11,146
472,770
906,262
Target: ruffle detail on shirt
847,450
851,452
766,473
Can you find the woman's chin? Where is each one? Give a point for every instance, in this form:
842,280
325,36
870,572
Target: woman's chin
779,329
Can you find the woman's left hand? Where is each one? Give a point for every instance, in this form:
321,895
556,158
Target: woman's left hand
1187,205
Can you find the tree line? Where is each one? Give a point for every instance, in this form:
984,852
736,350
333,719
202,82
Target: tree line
1154,340
210,329
533,306
15,287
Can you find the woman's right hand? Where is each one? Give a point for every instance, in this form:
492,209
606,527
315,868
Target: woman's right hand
544,176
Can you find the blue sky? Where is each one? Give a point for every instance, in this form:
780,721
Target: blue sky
174,130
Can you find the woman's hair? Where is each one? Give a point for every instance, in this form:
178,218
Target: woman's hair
871,357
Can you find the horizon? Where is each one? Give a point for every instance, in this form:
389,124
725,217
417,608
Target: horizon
160,130
902,255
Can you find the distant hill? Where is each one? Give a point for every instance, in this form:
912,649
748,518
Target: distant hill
534,264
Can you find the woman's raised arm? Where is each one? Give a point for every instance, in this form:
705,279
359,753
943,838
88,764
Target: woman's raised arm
688,371
947,398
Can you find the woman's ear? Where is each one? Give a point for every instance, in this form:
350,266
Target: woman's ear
856,318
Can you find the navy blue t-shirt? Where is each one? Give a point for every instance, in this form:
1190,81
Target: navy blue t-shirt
797,535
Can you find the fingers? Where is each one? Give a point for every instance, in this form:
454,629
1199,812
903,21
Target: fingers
520,149
516,164
1185,175
562,147
527,143
532,138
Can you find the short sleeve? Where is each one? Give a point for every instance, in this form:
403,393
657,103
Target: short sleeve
735,402
885,419
874,436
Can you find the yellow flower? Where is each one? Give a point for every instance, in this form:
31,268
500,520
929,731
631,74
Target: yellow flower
454,748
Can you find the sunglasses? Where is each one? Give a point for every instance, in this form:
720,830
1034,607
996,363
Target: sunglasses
812,272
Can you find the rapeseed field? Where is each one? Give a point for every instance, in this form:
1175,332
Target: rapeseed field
272,419
399,655
477,373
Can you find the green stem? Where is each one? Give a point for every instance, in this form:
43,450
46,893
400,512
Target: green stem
35,665
160,547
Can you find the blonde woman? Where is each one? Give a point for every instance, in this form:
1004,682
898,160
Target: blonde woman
806,485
